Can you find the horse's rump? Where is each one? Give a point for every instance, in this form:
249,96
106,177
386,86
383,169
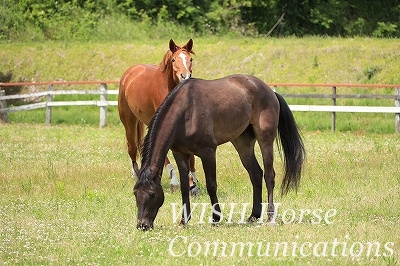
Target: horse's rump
233,102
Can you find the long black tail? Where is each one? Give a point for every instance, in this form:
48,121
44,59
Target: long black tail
293,147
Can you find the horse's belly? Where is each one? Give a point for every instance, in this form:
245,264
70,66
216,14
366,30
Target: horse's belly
231,123
223,135
140,106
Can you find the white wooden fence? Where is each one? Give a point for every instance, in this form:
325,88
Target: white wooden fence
103,103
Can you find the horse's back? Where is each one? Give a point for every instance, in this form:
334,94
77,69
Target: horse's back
237,83
234,92
137,74
229,105
253,85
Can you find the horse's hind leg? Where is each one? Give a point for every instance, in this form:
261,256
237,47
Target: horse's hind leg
174,183
267,151
244,145
169,168
134,133
134,129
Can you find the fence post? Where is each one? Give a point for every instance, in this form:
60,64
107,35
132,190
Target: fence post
397,104
49,98
333,124
103,105
3,105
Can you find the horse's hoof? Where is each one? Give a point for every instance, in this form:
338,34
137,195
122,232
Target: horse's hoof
174,187
134,175
192,177
194,191
216,222
252,219
272,223
174,183
183,223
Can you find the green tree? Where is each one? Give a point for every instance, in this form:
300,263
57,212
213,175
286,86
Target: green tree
81,19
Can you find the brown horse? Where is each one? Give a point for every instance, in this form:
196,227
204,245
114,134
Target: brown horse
198,116
142,89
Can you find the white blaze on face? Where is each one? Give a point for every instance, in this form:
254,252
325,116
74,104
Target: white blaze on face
183,57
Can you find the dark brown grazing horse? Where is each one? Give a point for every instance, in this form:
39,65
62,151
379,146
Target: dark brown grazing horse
142,89
198,116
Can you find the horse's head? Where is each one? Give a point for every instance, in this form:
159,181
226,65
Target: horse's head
149,198
181,60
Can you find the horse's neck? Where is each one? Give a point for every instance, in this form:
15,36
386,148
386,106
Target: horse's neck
159,154
160,146
168,77
163,139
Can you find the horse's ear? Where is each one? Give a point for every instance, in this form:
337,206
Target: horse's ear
172,46
189,46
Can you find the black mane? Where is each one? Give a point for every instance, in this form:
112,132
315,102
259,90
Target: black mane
146,150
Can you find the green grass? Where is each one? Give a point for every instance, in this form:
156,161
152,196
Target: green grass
66,199
297,60
294,60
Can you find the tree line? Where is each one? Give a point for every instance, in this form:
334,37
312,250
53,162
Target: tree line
377,18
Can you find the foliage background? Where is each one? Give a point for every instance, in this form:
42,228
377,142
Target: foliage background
84,19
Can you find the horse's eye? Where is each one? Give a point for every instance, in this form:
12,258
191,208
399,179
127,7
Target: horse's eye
191,59
173,60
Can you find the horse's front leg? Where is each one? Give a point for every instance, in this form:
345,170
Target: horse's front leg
210,171
182,161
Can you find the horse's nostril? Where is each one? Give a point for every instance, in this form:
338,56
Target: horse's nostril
186,76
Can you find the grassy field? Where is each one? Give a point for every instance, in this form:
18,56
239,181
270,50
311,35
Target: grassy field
66,190
294,60
66,199
297,60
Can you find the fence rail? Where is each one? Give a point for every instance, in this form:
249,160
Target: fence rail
103,103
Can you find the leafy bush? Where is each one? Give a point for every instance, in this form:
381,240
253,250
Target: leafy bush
82,19
385,30
10,24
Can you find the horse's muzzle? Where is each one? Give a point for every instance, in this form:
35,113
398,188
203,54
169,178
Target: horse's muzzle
187,76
